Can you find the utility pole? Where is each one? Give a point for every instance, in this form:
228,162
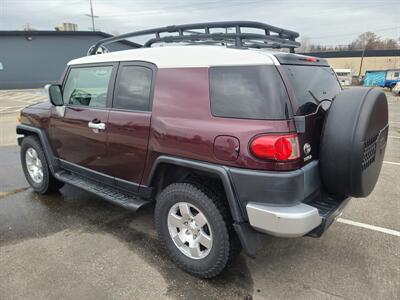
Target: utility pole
361,63
91,15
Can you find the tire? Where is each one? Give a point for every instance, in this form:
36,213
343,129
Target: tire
214,259
353,142
44,183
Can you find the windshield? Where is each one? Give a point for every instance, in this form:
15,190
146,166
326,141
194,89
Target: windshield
320,81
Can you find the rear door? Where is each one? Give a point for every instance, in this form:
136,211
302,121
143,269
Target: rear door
129,123
311,86
79,135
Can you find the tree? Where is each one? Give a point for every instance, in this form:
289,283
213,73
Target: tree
368,41
365,41
391,44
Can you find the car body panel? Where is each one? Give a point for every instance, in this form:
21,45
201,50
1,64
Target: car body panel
128,135
183,126
75,142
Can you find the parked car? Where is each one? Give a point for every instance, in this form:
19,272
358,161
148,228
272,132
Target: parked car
392,78
396,89
229,141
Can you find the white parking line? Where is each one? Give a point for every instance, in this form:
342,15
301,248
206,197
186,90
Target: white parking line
391,163
371,227
393,137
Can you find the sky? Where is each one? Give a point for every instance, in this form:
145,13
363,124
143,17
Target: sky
325,22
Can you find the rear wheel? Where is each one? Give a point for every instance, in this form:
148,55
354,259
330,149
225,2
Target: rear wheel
35,167
192,225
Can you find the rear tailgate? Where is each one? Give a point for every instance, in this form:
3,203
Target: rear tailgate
309,80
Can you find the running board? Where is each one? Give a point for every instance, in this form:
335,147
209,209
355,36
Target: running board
109,194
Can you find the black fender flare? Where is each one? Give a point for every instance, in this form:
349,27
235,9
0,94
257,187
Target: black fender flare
44,140
220,171
249,238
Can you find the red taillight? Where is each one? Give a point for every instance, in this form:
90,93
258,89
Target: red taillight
311,59
276,147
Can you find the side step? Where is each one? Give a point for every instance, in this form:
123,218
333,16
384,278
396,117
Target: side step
329,208
109,194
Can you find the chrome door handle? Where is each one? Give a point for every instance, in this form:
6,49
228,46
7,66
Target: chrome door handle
98,126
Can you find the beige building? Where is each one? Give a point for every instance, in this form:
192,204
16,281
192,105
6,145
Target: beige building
369,63
373,60
66,27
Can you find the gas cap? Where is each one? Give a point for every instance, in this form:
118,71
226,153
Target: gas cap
226,147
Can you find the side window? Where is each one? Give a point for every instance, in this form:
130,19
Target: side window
133,88
87,86
247,92
396,74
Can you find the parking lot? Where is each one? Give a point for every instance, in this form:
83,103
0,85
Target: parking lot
73,245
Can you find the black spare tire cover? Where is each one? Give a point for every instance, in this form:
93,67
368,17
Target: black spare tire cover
353,142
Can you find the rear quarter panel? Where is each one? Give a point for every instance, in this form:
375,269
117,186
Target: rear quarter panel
182,124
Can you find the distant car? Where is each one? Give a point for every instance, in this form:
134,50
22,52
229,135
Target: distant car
392,78
396,89
229,142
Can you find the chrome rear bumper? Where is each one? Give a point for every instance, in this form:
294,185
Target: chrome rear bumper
288,221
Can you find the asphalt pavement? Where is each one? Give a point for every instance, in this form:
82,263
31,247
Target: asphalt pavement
73,245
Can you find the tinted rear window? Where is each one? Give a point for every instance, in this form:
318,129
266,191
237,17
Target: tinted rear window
321,81
248,92
133,88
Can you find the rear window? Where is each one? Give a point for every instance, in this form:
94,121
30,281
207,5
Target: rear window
133,88
321,81
248,92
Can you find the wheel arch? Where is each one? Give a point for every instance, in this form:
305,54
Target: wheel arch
27,130
164,166
249,238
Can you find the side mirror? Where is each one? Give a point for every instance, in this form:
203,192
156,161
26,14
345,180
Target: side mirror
55,94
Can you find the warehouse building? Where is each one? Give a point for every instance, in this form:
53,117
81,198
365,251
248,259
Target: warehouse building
31,59
372,60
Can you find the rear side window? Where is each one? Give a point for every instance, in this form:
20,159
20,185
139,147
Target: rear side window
247,92
308,82
133,88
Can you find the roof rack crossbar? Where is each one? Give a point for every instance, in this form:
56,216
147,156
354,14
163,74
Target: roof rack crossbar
273,36
238,39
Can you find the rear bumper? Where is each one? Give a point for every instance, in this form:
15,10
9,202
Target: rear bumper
312,218
291,221
277,188
286,204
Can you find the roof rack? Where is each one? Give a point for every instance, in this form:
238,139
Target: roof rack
202,33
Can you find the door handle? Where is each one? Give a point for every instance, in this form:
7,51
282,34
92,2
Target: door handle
97,126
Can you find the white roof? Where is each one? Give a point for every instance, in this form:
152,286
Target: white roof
185,56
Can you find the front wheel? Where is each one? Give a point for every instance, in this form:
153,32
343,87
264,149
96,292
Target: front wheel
35,167
193,226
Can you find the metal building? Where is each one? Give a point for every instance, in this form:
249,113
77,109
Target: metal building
373,60
31,59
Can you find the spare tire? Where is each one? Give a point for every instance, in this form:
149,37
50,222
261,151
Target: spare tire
353,142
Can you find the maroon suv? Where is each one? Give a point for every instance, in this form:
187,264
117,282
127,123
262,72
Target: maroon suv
229,139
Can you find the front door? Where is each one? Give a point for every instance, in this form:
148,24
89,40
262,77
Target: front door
129,123
79,134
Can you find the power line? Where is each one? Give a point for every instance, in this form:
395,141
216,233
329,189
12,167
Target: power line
353,33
